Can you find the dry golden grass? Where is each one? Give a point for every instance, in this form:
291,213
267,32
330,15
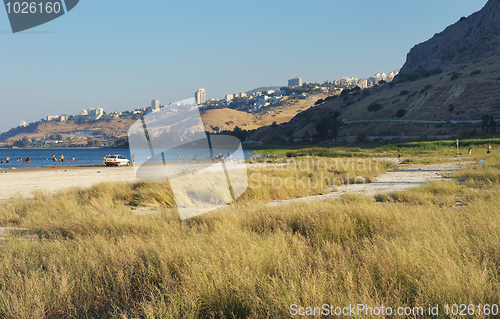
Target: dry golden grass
87,255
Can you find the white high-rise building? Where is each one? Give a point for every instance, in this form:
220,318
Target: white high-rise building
155,105
96,113
200,96
295,82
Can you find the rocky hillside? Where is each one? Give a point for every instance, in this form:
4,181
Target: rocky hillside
470,39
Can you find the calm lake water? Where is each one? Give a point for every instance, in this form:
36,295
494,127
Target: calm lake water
88,157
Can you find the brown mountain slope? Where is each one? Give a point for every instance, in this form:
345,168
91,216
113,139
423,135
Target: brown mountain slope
405,107
227,119
438,97
465,61
74,130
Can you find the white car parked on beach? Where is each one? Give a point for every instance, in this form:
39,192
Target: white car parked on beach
116,160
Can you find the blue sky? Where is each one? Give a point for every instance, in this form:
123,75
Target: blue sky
120,55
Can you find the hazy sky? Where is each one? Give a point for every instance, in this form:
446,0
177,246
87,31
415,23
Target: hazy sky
120,55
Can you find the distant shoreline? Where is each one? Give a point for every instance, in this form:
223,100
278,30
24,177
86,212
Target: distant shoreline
62,148
47,168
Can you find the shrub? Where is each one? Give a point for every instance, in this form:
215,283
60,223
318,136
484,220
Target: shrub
400,113
361,137
318,102
475,72
426,74
436,71
374,107
404,92
455,75
428,86
382,197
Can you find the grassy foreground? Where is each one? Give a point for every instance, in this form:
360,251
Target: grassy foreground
87,255
431,151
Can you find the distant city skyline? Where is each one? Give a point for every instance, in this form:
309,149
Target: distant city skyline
91,59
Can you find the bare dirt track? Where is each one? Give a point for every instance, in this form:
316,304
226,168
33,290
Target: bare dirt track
405,177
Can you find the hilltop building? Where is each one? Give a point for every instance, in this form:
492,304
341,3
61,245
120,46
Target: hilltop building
200,96
155,105
363,83
91,114
295,82
96,114
22,123
49,118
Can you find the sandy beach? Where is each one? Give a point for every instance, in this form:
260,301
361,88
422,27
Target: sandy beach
49,180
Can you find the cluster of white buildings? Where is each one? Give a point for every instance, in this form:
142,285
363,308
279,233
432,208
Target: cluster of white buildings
58,118
366,83
230,97
92,114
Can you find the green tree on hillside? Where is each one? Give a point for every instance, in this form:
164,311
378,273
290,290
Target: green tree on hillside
489,124
328,127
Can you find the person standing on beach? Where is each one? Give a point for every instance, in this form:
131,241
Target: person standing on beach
399,156
470,151
7,159
488,150
133,158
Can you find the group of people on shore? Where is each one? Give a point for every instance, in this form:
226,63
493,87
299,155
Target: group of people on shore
27,160
19,159
62,158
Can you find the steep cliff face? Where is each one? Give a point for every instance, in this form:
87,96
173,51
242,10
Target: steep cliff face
470,39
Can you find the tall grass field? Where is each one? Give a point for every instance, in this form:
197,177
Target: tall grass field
88,254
